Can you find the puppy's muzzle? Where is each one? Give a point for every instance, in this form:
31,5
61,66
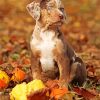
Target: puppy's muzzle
61,16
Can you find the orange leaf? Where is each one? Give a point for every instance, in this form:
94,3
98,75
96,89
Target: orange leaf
4,79
18,75
2,84
26,61
57,93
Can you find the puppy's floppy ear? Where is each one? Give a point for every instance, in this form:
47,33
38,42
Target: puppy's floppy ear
34,10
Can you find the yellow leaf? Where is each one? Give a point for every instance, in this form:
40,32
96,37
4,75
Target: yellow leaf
21,91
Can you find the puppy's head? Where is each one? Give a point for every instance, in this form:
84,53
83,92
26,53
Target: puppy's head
47,11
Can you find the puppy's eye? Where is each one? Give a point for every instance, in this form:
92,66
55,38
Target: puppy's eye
62,9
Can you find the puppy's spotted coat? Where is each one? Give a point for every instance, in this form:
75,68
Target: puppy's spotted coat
52,56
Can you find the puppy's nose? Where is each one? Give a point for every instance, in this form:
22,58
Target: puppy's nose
61,16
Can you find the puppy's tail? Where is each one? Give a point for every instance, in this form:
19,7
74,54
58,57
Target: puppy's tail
78,72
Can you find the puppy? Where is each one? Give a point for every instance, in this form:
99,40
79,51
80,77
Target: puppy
52,56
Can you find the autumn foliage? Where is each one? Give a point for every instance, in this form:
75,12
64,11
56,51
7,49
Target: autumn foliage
18,75
4,80
82,31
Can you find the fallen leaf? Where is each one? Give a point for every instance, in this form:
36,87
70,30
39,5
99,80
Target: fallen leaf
52,84
15,56
4,79
9,47
40,95
18,75
14,64
1,62
26,61
58,92
85,93
2,84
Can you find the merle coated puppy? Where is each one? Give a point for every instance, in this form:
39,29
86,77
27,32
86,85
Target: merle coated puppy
52,56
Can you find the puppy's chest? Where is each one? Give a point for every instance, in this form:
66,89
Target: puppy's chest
46,46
